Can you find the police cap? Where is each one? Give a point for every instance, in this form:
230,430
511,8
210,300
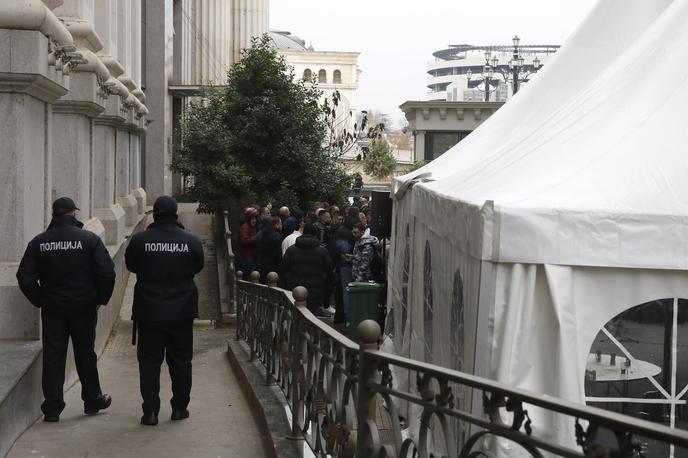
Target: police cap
63,205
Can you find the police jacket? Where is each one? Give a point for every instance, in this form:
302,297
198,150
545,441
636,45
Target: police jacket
67,268
165,259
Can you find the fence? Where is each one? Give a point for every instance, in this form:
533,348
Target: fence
340,393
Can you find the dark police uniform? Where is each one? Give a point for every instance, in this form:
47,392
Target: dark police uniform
165,259
68,273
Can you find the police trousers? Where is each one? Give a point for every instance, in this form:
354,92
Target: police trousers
58,327
172,341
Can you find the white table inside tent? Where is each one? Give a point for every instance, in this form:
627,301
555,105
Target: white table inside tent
604,367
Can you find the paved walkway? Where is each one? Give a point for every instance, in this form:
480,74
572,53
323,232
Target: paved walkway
221,422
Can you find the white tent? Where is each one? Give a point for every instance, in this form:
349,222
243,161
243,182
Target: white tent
564,209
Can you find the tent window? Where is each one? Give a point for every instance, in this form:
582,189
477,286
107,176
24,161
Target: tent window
640,354
307,74
322,76
405,280
428,306
337,77
457,323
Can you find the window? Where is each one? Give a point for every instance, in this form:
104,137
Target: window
322,76
337,77
640,355
437,143
428,306
307,74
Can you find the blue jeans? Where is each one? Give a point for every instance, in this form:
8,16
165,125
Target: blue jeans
345,275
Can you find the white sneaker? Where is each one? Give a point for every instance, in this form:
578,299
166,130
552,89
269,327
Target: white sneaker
331,310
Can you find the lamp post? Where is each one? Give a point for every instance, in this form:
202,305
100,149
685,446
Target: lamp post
488,73
517,71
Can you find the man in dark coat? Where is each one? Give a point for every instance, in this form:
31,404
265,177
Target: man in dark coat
269,248
165,259
308,264
68,273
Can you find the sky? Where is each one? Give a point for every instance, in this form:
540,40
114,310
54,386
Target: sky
396,38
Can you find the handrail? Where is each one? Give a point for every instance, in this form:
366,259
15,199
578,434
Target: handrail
335,387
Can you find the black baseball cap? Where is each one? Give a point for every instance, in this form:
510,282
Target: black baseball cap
165,205
63,205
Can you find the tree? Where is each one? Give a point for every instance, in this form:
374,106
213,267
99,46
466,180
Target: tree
379,161
417,165
259,139
341,140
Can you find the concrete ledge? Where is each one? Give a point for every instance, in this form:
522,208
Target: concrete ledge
20,319
94,225
267,402
113,221
140,196
20,389
130,207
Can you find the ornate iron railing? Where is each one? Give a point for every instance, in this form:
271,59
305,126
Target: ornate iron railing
336,389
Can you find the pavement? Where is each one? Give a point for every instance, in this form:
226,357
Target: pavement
222,423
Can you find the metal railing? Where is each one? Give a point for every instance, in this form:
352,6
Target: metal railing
340,392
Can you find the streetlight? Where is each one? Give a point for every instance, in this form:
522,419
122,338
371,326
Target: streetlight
488,73
517,65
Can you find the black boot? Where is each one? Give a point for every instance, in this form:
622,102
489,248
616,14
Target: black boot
102,402
149,419
180,414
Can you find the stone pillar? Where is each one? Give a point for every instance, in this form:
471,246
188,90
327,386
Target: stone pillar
110,213
73,146
135,171
419,146
157,60
122,175
28,87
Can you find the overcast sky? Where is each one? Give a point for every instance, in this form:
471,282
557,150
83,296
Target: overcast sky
396,38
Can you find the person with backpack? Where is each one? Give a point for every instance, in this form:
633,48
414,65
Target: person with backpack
365,255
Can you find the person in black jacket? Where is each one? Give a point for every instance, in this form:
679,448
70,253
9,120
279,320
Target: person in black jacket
67,272
269,248
165,259
308,264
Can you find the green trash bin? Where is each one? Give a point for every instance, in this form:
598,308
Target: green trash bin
363,299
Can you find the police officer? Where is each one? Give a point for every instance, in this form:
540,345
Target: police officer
68,273
165,259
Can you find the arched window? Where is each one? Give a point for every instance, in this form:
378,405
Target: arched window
428,306
307,74
322,76
337,77
405,280
456,325
640,355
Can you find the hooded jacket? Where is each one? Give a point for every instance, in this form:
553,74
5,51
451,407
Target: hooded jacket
247,237
307,264
364,250
165,259
66,268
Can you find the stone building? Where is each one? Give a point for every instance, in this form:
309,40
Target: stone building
87,111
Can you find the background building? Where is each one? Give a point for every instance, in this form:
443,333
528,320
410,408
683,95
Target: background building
449,71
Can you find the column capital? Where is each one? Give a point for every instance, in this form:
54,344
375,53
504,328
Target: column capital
84,96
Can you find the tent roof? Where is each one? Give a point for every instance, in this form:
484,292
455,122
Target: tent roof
587,164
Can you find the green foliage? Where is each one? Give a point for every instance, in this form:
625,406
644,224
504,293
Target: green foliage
416,165
259,139
379,161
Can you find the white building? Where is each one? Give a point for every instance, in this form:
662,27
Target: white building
456,73
333,70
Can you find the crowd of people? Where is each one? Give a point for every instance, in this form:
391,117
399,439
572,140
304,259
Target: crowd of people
323,249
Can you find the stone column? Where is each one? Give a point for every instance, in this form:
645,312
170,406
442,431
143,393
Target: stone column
73,146
122,175
156,63
28,87
419,146
110,213
135,169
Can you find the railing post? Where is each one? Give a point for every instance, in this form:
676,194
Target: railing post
269,331
253,322
239,323
300,302
369,332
